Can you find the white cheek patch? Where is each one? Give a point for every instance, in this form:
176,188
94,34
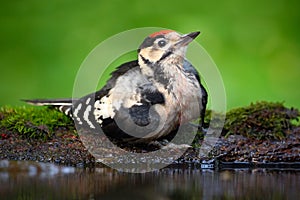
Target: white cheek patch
151,54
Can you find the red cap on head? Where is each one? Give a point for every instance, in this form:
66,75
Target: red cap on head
162,32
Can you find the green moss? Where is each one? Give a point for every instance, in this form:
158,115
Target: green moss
32,122
261,120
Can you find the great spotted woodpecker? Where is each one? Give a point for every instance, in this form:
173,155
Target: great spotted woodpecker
146,99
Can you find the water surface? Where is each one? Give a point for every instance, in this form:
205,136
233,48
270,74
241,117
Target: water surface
32,180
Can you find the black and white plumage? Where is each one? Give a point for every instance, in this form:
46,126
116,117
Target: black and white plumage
146,99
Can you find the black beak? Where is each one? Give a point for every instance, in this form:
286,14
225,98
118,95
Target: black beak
187,38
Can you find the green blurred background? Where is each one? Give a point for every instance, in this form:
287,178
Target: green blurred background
255,44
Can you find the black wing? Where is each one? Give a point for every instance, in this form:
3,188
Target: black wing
137,118
67,105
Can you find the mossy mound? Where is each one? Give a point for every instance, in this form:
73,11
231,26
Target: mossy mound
261,120
262,132
32,122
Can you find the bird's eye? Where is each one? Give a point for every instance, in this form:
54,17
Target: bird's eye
162,43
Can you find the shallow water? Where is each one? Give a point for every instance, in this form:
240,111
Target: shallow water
32,180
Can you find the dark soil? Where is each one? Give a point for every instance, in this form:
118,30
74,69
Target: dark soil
62,148
67,149
263,134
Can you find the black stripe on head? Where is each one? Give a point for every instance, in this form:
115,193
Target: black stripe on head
166,54
148,42
146,61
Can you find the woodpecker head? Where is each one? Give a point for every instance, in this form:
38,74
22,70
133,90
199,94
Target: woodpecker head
164,46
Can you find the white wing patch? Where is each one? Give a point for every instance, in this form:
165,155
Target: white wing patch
125,93
103,109
76,113
126,90
86,116
67,111
88,101
60,108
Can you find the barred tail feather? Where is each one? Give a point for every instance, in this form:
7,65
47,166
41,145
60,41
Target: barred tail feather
63,105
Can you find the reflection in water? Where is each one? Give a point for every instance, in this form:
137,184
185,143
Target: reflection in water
30,180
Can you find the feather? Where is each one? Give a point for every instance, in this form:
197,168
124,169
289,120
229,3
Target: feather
63,105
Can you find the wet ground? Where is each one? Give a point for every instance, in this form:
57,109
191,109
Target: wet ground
36,180
66,149
263,134
63,148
